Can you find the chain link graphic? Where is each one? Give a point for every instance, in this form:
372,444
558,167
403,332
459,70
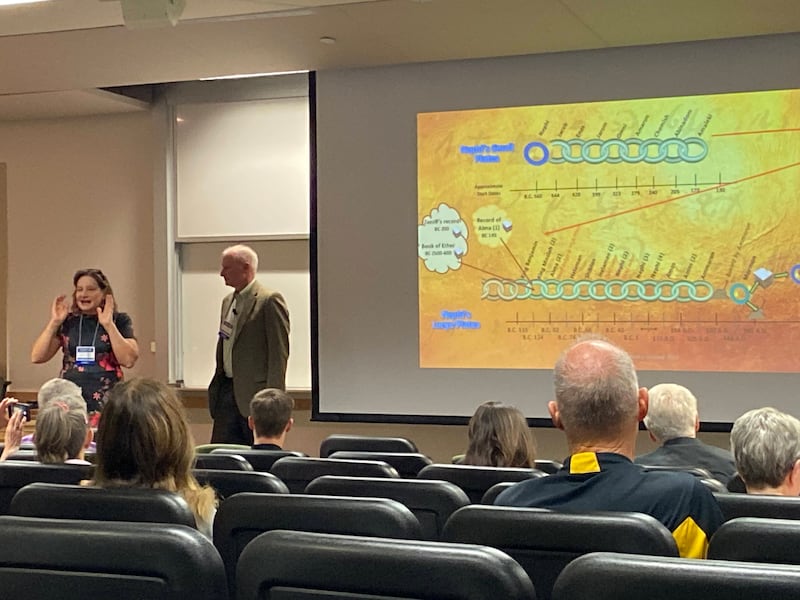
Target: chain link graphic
648,290
630,150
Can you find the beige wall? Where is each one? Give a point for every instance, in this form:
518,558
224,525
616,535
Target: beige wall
79,194
3,272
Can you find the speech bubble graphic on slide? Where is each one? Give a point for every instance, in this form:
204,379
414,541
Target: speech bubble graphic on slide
492,226
442,239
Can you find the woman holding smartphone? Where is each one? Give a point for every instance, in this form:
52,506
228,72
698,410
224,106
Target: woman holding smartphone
95,338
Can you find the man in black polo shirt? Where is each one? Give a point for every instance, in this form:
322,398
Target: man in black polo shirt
672,420
599,405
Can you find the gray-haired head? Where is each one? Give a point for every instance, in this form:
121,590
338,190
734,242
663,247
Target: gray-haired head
766,444
672,412
58,388
243,254
596,390
60,432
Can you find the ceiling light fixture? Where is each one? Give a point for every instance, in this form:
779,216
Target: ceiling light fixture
327,40
16,2
250,75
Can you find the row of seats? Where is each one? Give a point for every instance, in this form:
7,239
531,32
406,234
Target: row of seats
542,542
65,559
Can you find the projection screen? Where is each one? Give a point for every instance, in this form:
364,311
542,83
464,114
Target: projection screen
474,218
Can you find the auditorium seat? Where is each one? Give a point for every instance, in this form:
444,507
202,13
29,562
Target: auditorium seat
226,462
757,540
17,474
475,481
297,472
696,471
350,568
261,460
244,516
613,576
493,492
756,505
60,501
547,466
408,464
364,443
431,501
57,559
228,483
544,542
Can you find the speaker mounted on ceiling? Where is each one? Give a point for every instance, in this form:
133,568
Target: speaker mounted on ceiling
139,14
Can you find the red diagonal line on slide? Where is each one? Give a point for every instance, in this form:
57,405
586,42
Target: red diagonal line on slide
754,132
668,200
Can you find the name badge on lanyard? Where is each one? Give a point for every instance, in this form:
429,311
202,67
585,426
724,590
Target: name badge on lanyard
226,327
84,355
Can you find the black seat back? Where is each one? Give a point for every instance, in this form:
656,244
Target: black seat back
298,472
348,568
493,492
754,505
244,516
696,471
544,542
60,501
547,466
15,475
612,576
408,464
226,462
757,540
228,483
261,460
364,443
475,481
62,559
431,501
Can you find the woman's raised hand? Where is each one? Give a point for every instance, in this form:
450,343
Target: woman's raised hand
59,310
105,313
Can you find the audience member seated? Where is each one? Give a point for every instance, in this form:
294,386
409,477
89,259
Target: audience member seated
62,434
143,441
499,436
673,421
270,418
599,405
766,448
62,390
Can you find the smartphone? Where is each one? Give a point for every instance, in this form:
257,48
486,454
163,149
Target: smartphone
20,407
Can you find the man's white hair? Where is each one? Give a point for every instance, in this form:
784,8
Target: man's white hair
244,254
672,412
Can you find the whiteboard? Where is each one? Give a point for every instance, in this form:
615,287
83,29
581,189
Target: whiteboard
242,169
283,267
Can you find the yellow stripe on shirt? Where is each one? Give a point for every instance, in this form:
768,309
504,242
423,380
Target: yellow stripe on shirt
584,462
691,539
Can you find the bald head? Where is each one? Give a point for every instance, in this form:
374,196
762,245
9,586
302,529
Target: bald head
597,392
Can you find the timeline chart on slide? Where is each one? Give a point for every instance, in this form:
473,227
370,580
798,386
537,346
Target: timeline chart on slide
667,225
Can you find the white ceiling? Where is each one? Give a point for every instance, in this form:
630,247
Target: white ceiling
68,45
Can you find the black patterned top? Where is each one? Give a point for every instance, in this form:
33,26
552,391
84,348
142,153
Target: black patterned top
95,380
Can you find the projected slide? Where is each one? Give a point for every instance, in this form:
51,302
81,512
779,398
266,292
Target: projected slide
668,225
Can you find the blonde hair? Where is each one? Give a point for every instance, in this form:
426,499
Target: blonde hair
60,432
143,440
499,436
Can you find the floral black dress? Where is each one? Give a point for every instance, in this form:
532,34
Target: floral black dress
95,380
